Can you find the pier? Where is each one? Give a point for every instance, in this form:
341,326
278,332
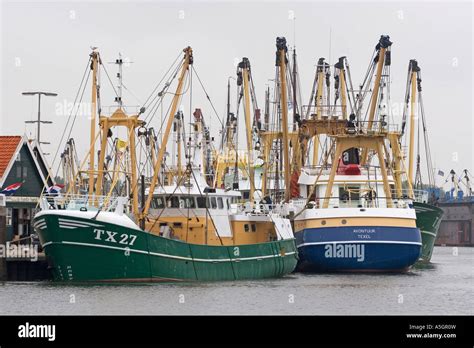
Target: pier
24,269
457,226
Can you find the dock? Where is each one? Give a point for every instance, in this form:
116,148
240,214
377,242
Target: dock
24,269
457,226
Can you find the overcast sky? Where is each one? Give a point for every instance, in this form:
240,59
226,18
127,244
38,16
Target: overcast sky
45,46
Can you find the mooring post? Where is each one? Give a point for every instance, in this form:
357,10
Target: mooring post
3,238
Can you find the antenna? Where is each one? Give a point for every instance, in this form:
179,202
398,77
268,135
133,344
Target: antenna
330,41
119,62
294,31
39,121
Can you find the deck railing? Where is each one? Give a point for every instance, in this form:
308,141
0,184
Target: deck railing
81,202
362,202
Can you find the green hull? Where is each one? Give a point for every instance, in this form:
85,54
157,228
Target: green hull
428,220
85,253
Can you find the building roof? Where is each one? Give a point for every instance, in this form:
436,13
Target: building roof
8,147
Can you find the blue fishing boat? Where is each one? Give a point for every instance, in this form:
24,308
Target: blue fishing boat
359,228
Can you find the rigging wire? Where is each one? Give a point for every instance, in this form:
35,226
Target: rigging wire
158,84
72,109
110,80
158,98
207,96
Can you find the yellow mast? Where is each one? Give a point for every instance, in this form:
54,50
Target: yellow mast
397,155
342,86
178,128
134,178
382,46
188,60
95,61
281,62
319,101
412,123
245,64
100,164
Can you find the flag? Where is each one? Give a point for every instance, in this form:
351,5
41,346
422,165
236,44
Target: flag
10,190
54,189
440,173
121,145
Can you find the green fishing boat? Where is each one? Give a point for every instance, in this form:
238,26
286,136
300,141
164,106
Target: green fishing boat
428,220
112,248
428,216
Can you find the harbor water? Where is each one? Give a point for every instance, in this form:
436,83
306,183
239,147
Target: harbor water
443,287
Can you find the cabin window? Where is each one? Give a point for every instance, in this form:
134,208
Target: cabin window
189,203
349,193
392,189
18,172
25,172
18,157
246,227
158,203
312,196
201,202
254,228
246,194
213,203
220,203
173,202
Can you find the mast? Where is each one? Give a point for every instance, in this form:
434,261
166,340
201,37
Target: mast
341,77
226,131
266,144
245,69
382,47
281,62
187,61
319,100
294,89
228,106
267,108
94,66
118,98
179,118
413,79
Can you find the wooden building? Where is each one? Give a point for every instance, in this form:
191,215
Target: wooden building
22,161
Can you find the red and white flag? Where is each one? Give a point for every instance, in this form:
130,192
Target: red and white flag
11,189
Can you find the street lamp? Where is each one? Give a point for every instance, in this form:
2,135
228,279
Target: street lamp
47,94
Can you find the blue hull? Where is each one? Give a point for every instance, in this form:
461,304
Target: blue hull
358,248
